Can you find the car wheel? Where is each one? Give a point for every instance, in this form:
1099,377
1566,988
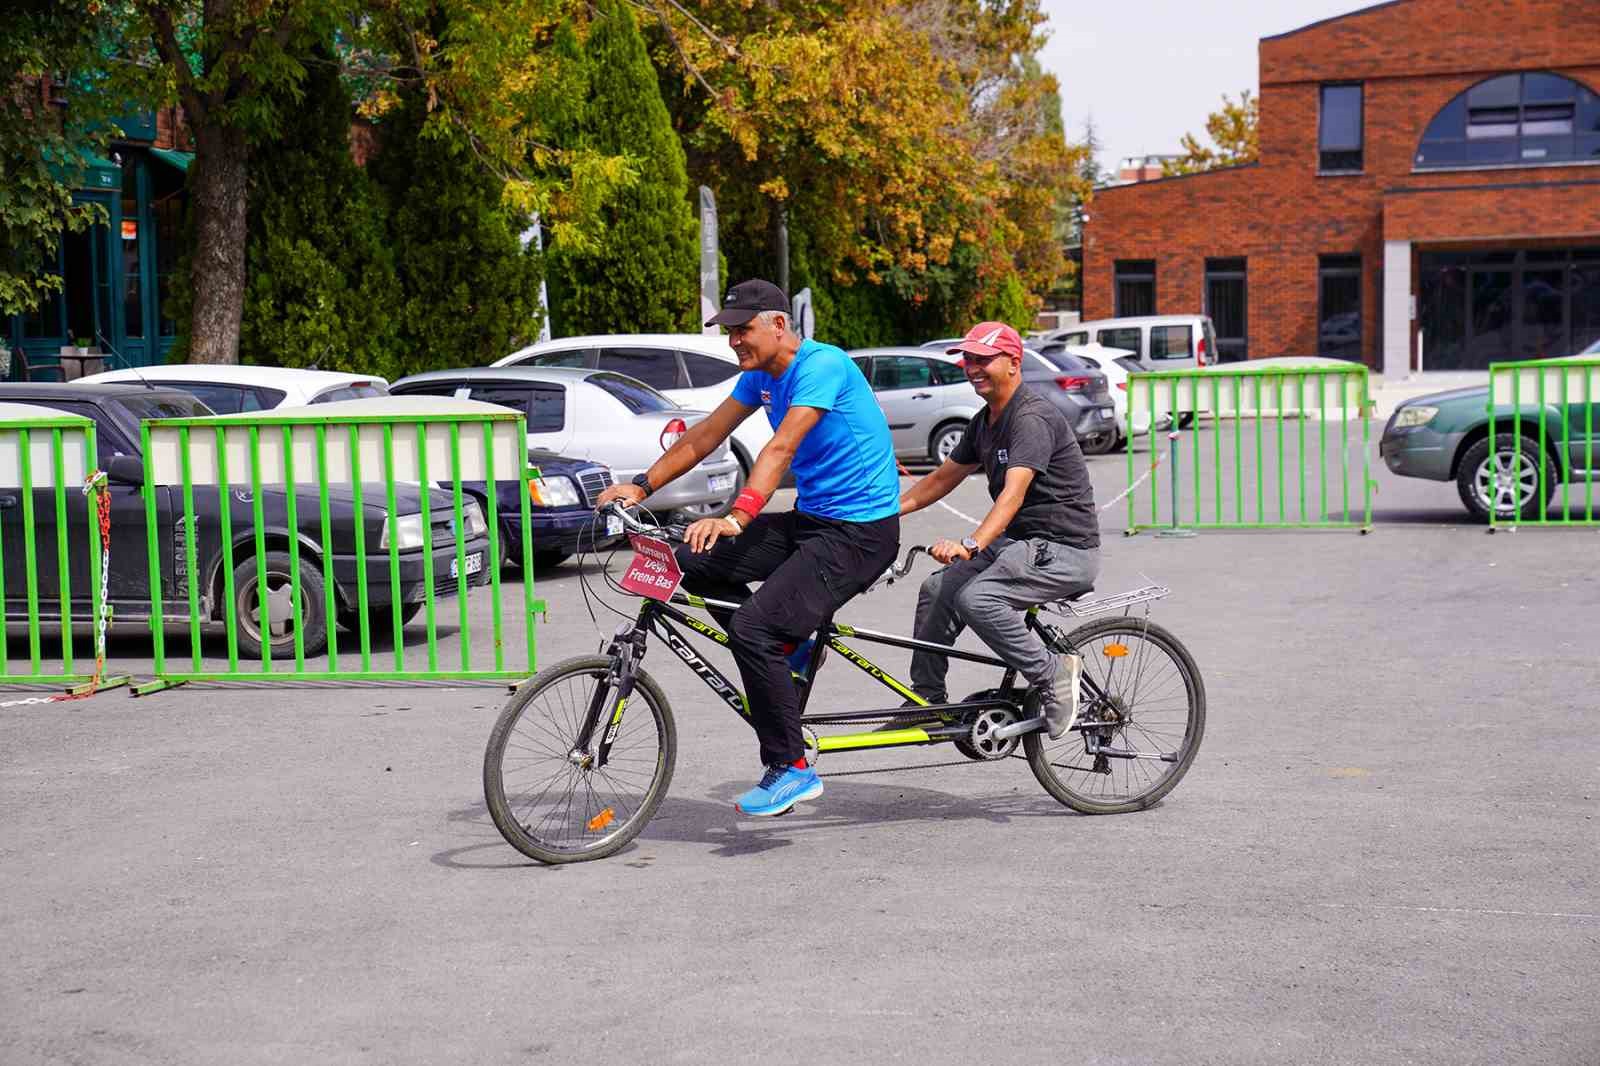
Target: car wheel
1098,443
281,621
944,440
1511,477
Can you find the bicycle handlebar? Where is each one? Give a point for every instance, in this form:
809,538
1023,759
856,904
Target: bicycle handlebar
622,511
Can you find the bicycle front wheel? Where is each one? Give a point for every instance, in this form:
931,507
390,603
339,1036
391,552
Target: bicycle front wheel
1141,714
555,803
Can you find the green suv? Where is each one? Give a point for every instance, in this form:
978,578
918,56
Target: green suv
1445,437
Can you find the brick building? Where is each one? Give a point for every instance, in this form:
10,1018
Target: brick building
1428,186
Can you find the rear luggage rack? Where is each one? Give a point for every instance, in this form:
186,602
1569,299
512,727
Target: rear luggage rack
1082,608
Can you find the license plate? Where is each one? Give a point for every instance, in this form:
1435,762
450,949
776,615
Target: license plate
474,564
613,525
1107,414
720,482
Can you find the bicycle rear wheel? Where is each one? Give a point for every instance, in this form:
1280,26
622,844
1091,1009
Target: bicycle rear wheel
1147,717
557,806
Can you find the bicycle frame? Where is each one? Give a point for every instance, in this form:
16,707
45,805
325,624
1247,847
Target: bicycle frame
656,617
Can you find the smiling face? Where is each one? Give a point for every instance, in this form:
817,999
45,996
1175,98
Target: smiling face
989,373
758,342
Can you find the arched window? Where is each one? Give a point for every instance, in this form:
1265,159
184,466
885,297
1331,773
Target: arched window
1515,120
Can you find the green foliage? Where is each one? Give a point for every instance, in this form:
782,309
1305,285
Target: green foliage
644,279
322,286
1233,131
43,147
470,293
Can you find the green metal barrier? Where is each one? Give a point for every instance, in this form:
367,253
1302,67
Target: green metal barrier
369,548
1542,418
48,499
1252,448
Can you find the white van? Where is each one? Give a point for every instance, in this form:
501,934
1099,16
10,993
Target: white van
1162,342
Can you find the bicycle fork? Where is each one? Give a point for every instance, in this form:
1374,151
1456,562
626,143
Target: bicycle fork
610,699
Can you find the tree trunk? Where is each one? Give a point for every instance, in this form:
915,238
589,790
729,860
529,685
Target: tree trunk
780,246
221,171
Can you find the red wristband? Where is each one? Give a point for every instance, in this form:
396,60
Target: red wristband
750,502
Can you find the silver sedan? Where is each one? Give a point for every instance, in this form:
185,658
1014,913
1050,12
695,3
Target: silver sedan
601,416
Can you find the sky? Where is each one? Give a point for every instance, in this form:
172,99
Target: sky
1149,71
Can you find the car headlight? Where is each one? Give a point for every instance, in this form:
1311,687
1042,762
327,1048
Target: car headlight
553,492
476,526
1414,416
406,532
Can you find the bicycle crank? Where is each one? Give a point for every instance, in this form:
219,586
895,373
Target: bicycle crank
992,733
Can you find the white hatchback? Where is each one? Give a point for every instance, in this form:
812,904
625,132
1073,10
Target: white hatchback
697,371
232,390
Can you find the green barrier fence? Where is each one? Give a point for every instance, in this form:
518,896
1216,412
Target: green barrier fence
1251,448
1542,419
286,528
50,497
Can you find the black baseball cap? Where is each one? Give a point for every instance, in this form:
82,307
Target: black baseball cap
746,300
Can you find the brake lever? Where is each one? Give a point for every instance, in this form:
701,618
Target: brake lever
901,569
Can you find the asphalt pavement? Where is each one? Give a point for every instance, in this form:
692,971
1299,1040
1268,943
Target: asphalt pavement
1386,850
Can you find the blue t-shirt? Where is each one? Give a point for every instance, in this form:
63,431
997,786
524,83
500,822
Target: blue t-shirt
844,468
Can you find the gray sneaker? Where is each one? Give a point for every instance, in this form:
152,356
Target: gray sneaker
1061,713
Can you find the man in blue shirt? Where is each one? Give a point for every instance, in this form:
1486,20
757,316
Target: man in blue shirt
843,532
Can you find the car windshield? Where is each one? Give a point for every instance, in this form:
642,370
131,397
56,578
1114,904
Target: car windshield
635,395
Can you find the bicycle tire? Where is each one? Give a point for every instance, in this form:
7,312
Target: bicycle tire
548,734
1120,785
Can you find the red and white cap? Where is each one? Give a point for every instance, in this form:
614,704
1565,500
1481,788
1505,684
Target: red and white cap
989,338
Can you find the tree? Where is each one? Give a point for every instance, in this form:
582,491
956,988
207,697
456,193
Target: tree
910,142
231,65
470,291
645,278
481,69
322,287
1233,134
42,146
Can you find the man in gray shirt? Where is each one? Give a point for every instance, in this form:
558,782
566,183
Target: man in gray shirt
1040,540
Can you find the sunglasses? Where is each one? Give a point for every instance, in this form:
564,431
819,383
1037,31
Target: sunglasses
982,360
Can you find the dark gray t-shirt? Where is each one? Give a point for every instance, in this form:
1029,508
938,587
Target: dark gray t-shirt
1030,432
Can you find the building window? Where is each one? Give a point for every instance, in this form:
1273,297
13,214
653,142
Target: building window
1339,306
1339,130
1226,304
1514,120
1136,287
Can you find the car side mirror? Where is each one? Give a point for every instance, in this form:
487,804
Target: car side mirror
125,470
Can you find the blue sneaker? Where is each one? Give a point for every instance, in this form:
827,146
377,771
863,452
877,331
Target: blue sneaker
800,658
780,789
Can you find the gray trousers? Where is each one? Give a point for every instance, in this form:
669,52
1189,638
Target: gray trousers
989,592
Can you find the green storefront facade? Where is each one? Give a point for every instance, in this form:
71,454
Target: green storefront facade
116,274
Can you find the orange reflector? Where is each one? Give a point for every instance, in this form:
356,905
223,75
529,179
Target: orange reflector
601,820
1115,651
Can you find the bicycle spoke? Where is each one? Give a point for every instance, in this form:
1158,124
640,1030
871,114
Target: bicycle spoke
556,807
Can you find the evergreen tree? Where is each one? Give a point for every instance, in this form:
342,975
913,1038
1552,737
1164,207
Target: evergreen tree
644,277
470,290
321,285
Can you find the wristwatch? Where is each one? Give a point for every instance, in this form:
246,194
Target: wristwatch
971,545
643,481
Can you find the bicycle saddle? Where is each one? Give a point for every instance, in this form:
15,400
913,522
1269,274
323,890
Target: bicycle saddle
1077,592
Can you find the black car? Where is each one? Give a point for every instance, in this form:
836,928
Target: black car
560,510
117,411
